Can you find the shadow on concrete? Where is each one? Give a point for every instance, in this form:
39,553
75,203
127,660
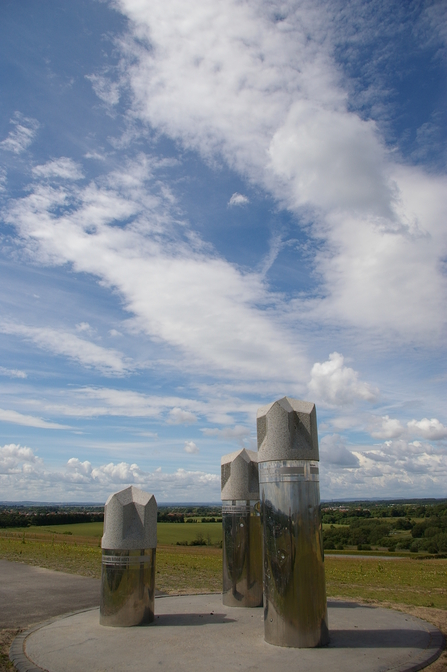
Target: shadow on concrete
378,639
191,619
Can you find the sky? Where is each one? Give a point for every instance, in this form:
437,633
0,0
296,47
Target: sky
208,206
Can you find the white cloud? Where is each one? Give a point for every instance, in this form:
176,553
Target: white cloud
109,362
331,159
3,179
386,427
391,428
21,135
64,168
372,264
335,384
108,91
129,403
238,199
94,155
334,452
12,373
191,448
84,327
433,430
28,420
15,459
179,417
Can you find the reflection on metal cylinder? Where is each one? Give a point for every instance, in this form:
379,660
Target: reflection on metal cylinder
241,530
242,554
295,608
127,587
295,611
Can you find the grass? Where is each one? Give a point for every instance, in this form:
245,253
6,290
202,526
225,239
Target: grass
189,570
179,569
167,533
416,582
413,581
171,533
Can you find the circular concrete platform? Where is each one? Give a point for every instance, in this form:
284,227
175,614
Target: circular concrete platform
197,633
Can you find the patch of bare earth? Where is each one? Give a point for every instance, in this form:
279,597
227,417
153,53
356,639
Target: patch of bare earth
7,636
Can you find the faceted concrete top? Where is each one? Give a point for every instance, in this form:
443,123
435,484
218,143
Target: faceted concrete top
287,430
239,475
130,520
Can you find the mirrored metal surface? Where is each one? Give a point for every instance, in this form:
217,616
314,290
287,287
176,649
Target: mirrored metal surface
242,554
127,587
295,608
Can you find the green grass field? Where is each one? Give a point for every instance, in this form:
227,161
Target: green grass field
410,581
167,533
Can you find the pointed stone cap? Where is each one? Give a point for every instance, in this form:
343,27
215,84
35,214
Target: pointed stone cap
130,520
239,475
287,430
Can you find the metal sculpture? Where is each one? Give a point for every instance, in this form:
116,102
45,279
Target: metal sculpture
295,608
128,558
241,528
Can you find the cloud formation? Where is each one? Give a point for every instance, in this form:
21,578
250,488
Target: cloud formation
335,384
333,452
179,417
238,199
22,134
240,434
268,96
28,420
17,459
23,473
12,373
204,307
59,342
386,427
63,168
432,430
191,448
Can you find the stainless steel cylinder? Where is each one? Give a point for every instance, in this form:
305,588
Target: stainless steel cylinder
128,558
242,535
242,553
127,587
295,609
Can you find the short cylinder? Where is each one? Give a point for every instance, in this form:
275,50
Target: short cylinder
242,553
127,587
295,608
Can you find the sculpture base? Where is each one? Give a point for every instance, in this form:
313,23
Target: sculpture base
198,633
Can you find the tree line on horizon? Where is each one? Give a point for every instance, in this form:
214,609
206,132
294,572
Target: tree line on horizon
382,526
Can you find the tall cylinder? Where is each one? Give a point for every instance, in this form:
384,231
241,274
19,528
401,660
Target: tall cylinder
241,530
128,558
295,607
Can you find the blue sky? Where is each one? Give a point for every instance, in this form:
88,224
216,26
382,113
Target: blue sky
206,206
